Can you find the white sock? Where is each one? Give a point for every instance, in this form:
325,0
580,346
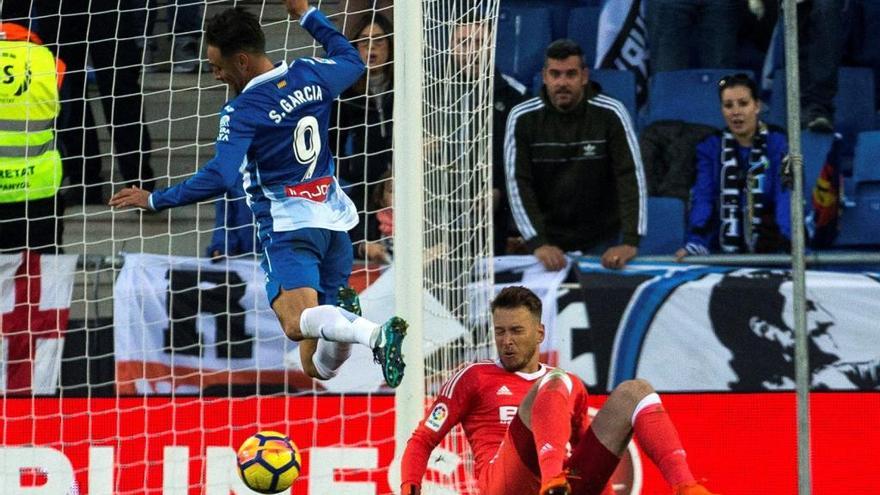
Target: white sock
329,357
336,325
648,400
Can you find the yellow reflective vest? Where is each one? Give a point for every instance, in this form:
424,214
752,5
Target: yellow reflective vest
30,166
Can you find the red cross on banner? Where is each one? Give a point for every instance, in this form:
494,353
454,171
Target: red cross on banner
33,330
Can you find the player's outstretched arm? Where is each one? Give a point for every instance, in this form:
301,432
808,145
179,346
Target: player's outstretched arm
131,196
296,8
342,65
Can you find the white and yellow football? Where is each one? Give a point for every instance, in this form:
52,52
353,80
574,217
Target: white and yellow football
269,462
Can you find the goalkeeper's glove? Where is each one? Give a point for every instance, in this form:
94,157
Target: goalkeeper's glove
409,489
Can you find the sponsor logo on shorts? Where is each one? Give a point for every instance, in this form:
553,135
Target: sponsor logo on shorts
437,417
314,190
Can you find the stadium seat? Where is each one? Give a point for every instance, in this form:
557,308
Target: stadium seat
688,95
523,35
866,163
583,23
618,84
666,226
558,9
860,222
854,102
814,147
774,107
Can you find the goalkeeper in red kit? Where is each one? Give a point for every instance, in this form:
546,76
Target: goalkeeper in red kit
519,415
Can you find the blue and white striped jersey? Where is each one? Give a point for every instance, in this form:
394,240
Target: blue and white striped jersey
273,138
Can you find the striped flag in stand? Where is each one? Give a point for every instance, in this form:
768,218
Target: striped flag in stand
35,294
623,41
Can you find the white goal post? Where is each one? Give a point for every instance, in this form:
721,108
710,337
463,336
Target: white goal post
443,129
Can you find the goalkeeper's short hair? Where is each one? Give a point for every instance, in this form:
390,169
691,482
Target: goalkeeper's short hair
514,297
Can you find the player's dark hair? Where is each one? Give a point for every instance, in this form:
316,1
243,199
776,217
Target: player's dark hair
235,30
518,297
562,49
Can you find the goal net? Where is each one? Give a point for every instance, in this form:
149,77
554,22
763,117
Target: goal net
140,356
458,63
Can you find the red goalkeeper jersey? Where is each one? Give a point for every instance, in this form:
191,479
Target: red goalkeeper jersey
484,398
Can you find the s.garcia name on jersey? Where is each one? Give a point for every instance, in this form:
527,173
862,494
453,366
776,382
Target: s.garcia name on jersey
294,99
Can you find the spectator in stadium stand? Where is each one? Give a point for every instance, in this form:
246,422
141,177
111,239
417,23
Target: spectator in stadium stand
184,19
574,172
362,119
738,201
379,242
683,31
820,48
272,138
105,33
234,233
469,41
542,406
30,167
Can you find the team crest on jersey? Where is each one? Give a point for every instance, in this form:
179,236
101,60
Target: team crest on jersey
437,417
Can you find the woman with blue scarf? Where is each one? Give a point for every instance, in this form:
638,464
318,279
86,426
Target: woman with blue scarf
738,202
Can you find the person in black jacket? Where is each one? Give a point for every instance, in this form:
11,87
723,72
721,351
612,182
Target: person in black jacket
104,32
574,172
362,120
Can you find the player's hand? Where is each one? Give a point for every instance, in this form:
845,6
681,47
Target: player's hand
131,196
551,257
296,8
616,257
409,489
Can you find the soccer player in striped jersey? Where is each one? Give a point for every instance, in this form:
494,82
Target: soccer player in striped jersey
519,414
273,138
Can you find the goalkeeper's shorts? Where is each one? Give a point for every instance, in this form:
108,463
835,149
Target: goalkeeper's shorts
514,469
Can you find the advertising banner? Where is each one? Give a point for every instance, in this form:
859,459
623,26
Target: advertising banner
189,325
709,328
35,294
743,444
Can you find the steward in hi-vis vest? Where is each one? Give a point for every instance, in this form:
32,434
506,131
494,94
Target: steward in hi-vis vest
30,166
